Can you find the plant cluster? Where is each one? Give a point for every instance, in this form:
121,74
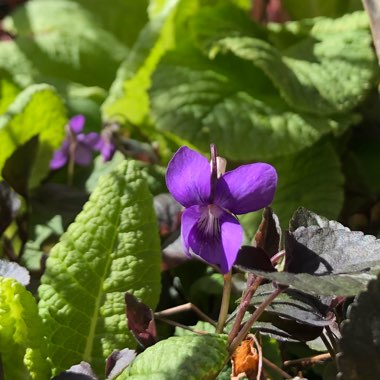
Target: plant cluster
129,252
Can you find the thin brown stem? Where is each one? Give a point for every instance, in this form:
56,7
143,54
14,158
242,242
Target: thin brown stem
253,283
331,338
254,317
303,362
328,345
260,352
276,258
273,366
225,303
71,164
182,308
177,324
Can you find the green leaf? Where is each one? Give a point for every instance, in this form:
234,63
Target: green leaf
38,110
360,347
128,95
198,357
303,73
17,64
8,92
301,59
112,248
21,333
311,178
115,18
67,41
231,103
314,8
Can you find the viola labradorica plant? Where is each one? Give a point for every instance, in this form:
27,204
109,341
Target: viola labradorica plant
212,198
76,144
79,146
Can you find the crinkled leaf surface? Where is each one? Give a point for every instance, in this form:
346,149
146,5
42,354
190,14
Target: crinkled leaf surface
112,247
38,110
360,346
21,333
187,357
329,261
64,40
233,104
304,70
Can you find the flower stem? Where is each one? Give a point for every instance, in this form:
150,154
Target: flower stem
253,283
71,164
225,303
254,317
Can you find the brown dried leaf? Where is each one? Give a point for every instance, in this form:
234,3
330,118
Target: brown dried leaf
245,361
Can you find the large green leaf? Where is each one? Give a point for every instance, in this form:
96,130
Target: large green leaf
302,58
314,8
115,17
128,95
187,357
231,103
64,40
21,333
311,178
112,247
37,111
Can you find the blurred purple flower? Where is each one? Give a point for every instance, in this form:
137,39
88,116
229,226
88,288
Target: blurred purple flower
209,226
81,145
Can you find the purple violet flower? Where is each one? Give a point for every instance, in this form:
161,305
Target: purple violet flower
80,145
209,226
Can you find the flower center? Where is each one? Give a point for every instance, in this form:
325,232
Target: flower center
209,223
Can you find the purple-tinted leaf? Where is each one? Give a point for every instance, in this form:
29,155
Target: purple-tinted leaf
14,270
118,361
253,258
168,212
268,235
140,321
328,260
293,304
299,258
9,205
306,218
82,371
285,329
360,344
173,254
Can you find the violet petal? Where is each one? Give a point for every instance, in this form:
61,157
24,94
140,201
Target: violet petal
220,242
190,218
189,177
76,124
91,139
247,188
83,154
107,151
60,156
